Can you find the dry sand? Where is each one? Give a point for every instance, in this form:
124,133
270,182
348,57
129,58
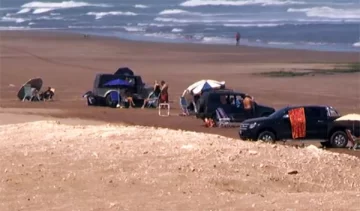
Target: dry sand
84,164
104,167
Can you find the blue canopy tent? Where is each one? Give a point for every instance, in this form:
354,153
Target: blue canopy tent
118,83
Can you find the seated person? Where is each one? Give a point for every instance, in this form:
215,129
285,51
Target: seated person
48,94
129,99
153,95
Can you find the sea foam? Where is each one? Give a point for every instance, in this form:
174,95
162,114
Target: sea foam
39,7
99,15
328,12
141,6
173,11
196,3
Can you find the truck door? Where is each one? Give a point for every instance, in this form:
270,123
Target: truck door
283,126
316,122
237,108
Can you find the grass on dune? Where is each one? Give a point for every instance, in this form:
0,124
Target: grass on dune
339,69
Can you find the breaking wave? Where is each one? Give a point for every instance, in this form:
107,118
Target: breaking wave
254,25
141,6
196,3
11,19
176,30
42,7
64,4
174,20
25,10
42,10
134,29
173,11
329,12
99,15
357,44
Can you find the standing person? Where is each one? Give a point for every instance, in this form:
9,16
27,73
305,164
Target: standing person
248,106
237,37
164,95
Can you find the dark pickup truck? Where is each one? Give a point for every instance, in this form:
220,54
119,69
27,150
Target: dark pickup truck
320,125
210,101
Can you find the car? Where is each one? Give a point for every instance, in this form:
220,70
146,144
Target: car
137,88
210,101
320,125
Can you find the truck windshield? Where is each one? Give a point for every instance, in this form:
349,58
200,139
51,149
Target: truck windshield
332,112
279,113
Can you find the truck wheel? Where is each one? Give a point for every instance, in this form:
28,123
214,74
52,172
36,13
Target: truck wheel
339,139
108,100
266,136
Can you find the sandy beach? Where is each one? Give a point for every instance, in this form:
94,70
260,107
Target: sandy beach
54,152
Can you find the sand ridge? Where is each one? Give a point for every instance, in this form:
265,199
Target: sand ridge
106,167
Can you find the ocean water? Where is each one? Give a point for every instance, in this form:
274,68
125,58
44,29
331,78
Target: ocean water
332,25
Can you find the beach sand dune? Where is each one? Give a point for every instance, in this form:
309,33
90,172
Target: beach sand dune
71,159
49,165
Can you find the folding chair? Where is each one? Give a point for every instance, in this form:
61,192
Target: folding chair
152,102
354,140
183,106
27,92
223,120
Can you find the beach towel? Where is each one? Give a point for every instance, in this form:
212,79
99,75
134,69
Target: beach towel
298,122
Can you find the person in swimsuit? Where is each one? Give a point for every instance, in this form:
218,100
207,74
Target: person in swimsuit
164,95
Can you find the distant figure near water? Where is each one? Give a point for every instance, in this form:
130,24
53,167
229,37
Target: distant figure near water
237,37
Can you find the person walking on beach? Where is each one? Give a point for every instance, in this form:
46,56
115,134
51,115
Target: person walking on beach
237,37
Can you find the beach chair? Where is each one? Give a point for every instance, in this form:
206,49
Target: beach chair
223,120
354,140
27,92
30,93
183,106
152,100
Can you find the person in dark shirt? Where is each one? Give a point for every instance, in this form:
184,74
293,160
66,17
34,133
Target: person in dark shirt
237,37
153,95
48,94
157,89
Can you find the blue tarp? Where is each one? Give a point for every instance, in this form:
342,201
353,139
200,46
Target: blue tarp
117,82
206,86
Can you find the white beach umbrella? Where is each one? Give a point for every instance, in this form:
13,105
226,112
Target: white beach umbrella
349,117
202,85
